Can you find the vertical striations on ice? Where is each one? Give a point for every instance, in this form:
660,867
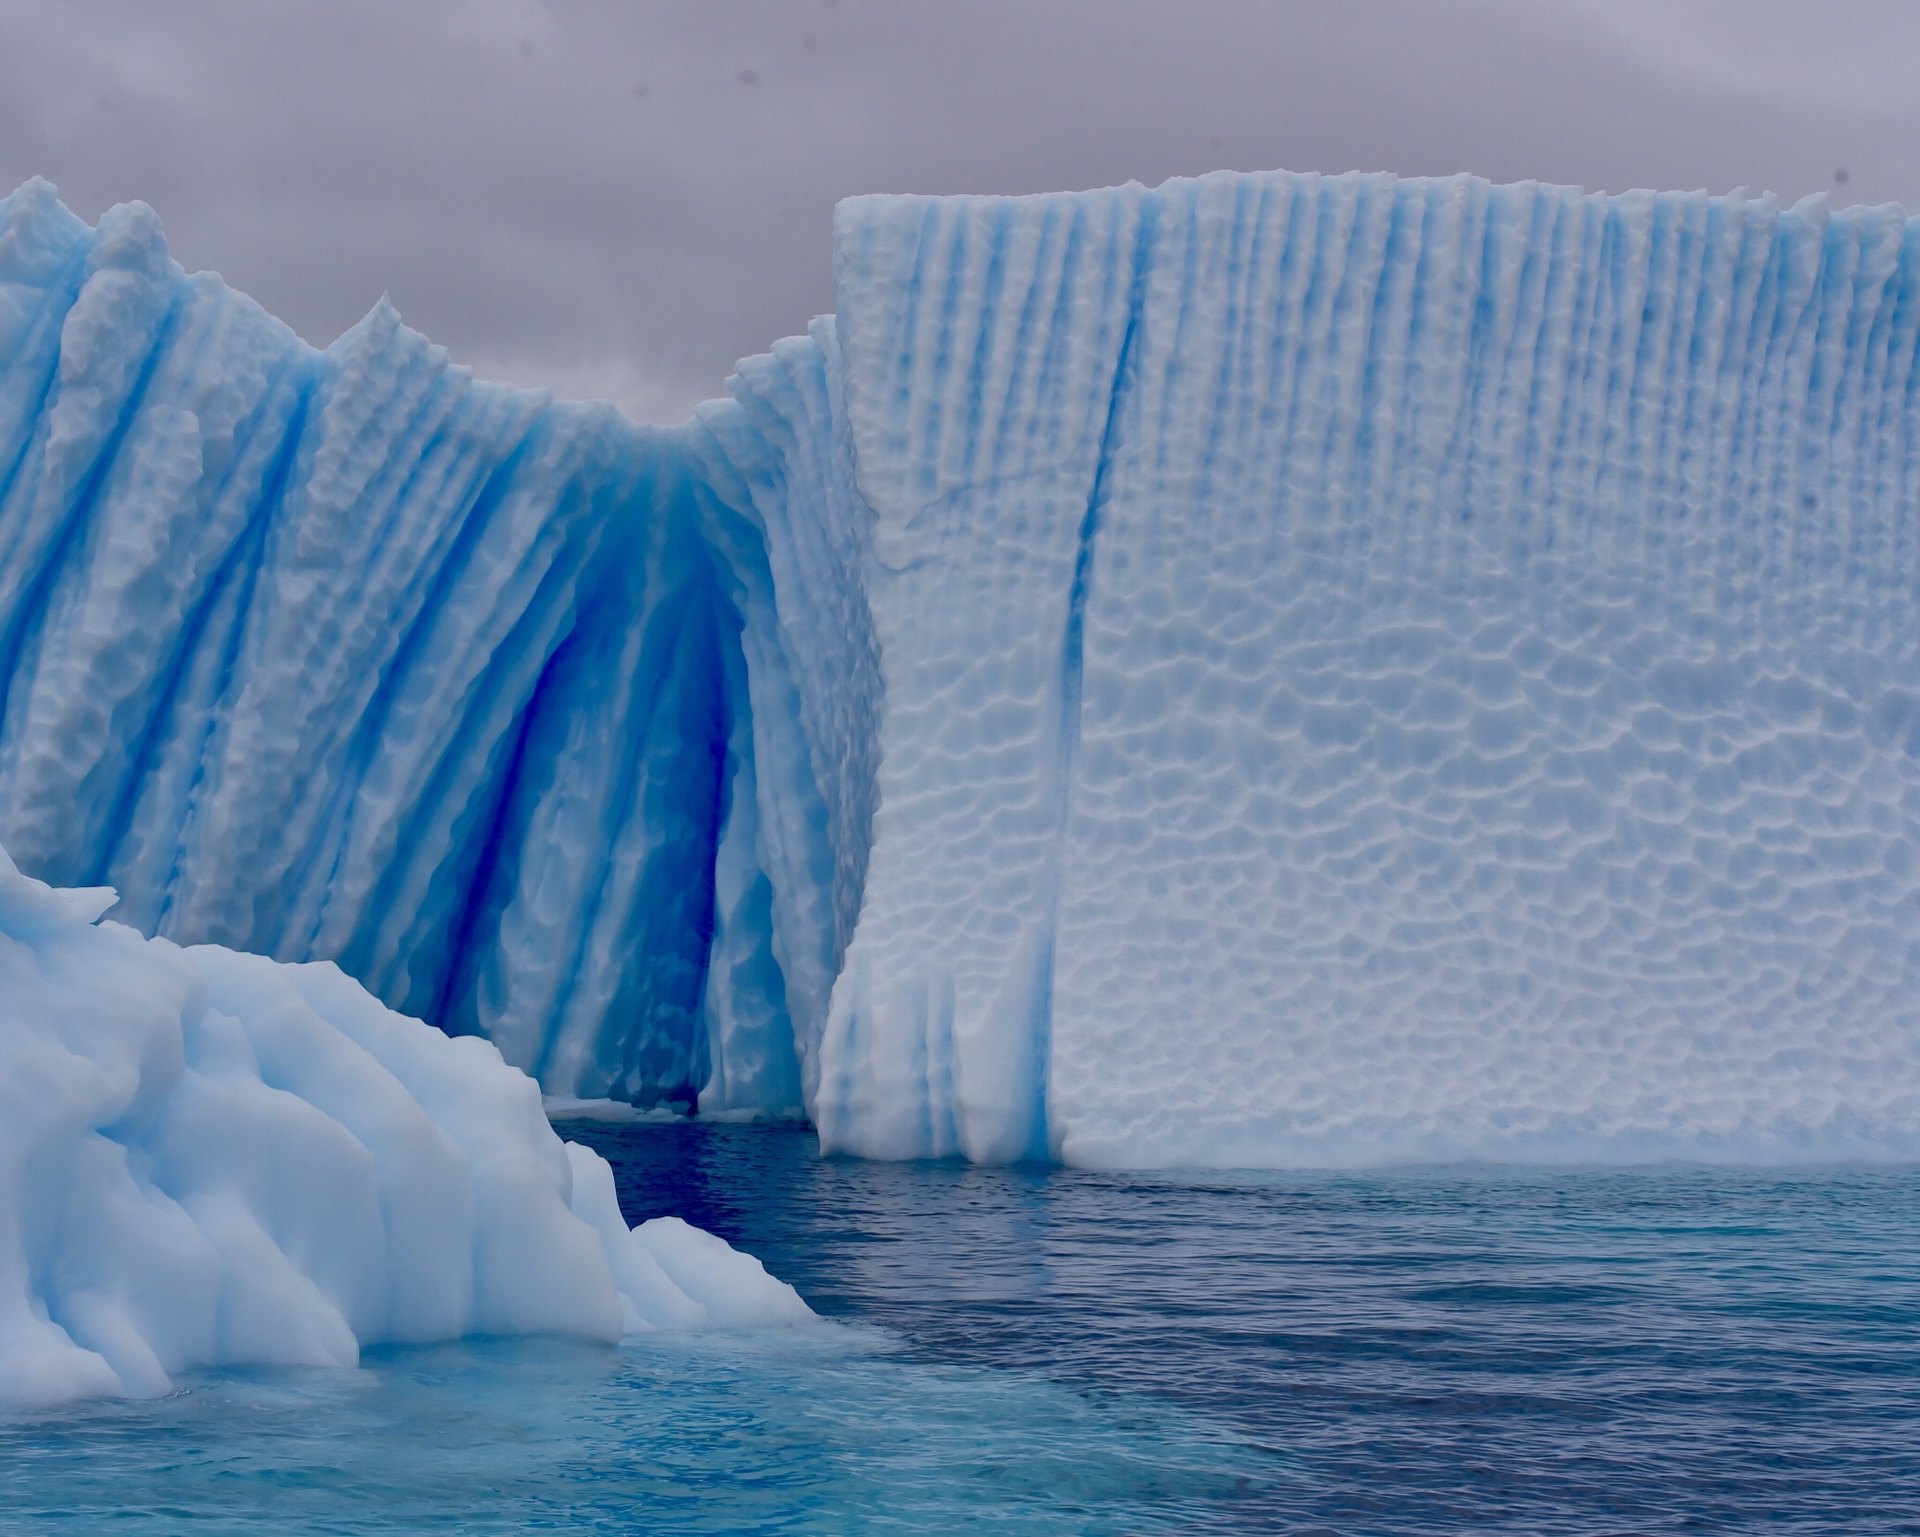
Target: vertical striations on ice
345,655
1266,669
1385,669
776,466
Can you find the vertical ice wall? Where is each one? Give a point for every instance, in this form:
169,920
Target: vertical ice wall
1263,670
1385,669
775,464
345,655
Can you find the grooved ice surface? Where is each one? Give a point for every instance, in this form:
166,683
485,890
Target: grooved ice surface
775,465
208,1157
345,655
1385,669
1268,669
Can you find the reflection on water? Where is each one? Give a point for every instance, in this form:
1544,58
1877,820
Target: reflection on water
1050,1351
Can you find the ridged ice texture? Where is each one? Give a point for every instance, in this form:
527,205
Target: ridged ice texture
1264,670
344,655
775,469
1385,669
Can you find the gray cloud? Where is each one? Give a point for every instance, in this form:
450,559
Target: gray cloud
620,198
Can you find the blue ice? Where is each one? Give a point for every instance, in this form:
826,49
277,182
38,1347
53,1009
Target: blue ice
1263,670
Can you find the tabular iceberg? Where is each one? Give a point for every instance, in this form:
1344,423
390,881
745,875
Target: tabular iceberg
209,1157
1267,669
1385,670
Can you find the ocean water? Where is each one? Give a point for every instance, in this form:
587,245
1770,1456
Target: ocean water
1012,1350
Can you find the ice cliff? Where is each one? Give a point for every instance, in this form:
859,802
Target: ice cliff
343,655
1267,669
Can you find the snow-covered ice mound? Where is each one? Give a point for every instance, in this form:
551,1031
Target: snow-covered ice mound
209,1157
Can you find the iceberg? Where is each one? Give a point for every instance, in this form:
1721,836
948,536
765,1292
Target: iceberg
1268,669
347,656
208,1157
1385,670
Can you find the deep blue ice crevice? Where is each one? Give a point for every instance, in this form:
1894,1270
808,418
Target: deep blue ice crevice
775,467
345,655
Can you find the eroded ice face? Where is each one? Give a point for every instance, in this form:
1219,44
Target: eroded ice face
1269,669
1384,670
343,655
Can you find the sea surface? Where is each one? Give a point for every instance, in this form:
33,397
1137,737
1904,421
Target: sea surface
1052,1351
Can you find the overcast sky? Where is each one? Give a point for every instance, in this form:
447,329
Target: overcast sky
620,197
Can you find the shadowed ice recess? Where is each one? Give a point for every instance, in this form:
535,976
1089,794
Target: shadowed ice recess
1266,670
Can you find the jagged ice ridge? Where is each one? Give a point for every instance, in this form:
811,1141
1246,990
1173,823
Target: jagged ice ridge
1268,669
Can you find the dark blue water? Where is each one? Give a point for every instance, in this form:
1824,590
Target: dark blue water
1446,1351
1051,1351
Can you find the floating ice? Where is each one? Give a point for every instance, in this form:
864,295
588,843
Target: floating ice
211,1157
1267,669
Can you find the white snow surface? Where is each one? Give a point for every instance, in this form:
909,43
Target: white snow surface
209,1157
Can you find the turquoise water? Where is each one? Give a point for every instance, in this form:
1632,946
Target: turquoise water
821,1435
1020,1350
